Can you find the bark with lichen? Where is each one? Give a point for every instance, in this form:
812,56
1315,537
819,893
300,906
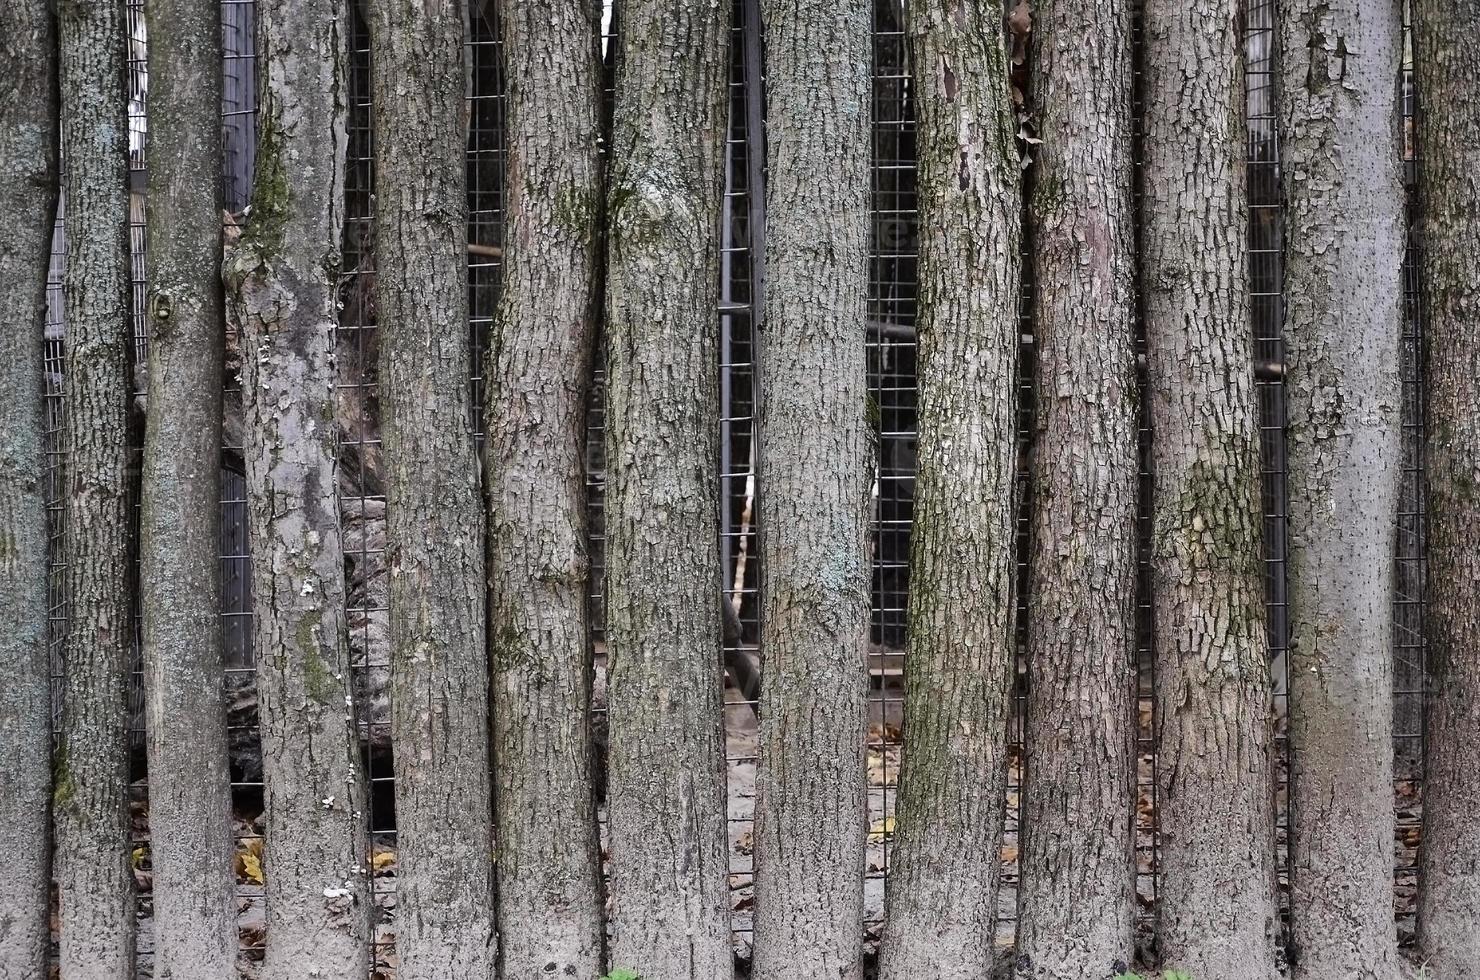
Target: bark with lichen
190,832
1219,916
669,855
434,504
811,810
1448,67
944,867
1077,901
283,274
539,358
1343,233
28,196
95,882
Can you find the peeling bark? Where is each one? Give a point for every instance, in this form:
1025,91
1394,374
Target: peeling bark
28,197
811,811
94,874
669,853
944,866
191,840
1344,241
434,505
538,365
283,274
1216,889
1449,154
1077,902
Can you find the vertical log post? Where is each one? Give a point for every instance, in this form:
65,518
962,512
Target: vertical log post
667,822
551,905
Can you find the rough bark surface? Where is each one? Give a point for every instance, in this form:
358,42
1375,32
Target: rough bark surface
283,273
811,814
434,504
538,364
191,840
1448,67
943,869
1077,903
94,877
28,196
1343,234
669,853
1216,890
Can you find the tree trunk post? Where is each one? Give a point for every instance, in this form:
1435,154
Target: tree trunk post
1077,904
1219,915
816,458
283,274
1343,233
944,866
28,198
667,820
1449,154
551,905
191,839
94,877
434,504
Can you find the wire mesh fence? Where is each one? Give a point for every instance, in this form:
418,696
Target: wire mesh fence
891,365
1265,270
1409,652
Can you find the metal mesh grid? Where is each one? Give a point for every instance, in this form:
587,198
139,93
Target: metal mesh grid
239,140
1147,776
138,87
1409,652
891,350
1264,251
56,454
891,381
741,258
362,503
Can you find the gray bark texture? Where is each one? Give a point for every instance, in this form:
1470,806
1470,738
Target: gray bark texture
191,838
1077,903
1216,890
283,274
94,877
551,903
434,504
1448,67
666,776
811,813
944,865
1343,232
28,197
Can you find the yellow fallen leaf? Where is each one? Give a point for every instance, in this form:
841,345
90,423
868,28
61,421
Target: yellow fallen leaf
881,829
137,854
383,860
249,862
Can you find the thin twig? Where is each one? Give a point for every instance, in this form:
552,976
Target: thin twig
737,596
